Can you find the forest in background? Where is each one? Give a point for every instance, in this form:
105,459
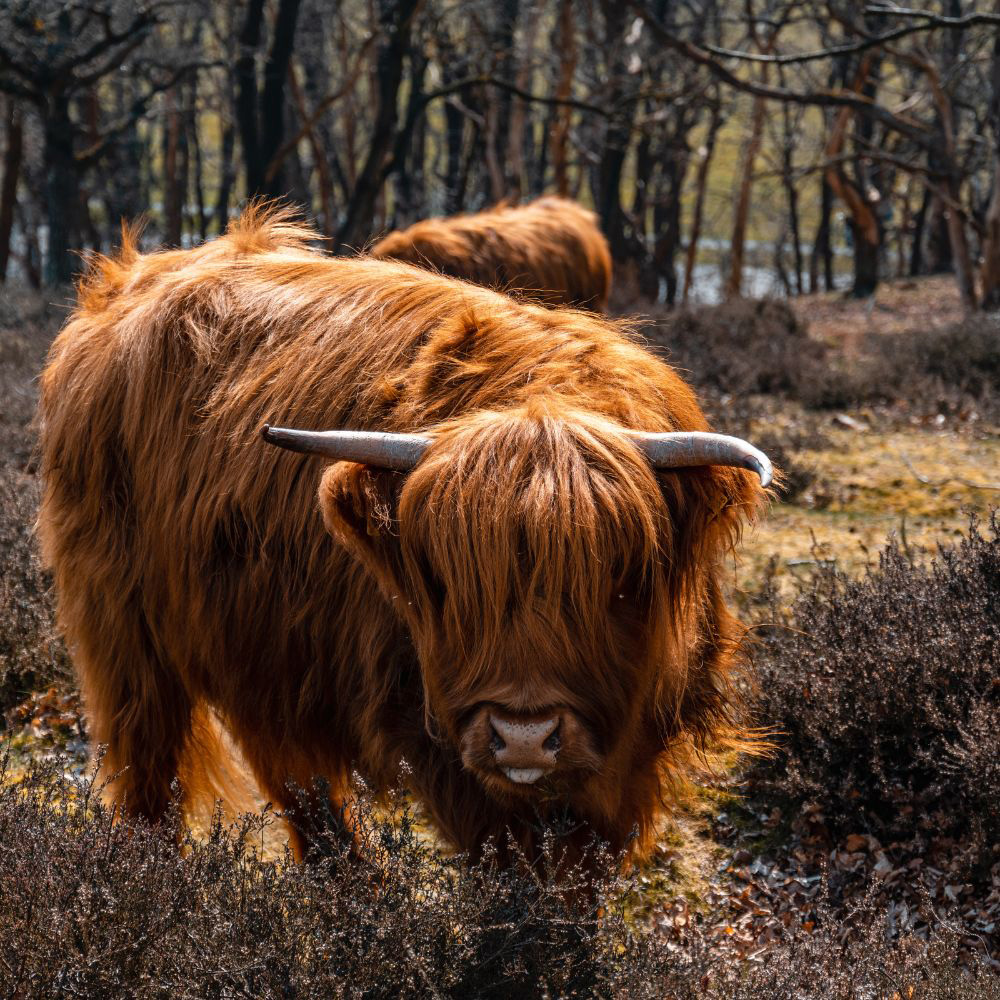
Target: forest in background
728,146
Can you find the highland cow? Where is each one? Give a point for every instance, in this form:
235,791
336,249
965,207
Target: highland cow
550,250
497,557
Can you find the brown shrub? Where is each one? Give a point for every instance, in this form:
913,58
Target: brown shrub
91,907
747,347
886,692
741,347
31,655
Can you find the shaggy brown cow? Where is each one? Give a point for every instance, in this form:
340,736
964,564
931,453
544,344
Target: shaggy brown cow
550,249
529,612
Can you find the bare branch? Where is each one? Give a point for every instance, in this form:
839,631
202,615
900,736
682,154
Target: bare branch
932,23
839,98
947,479
87,157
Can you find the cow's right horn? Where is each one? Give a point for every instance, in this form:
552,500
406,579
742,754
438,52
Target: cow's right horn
678,449
399,452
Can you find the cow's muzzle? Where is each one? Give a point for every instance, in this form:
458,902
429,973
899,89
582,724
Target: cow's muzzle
522,748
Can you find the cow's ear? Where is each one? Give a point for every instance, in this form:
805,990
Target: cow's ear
359,506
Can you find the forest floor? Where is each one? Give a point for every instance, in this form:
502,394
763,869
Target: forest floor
871,476
874,474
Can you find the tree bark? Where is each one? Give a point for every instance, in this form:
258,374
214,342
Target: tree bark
989,272
698,214
272,101
519,132
8,189
856,194
324,179
559,140
397,19
246,94
791,194
174,188
866,255
741,214
916,266
192,140
411,156
616,137
62,190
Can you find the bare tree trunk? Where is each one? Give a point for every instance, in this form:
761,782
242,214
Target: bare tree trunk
617,136
494,168
173,189
989,273
916,265
558,143
272,100
397,19
667,220
791,194
193,142
226,177
734,282
454,126
517,174
245,72
31,259
496,101
701,186
409,155
866,254
62,191
940,258
324,179
8,189
957,235
964,273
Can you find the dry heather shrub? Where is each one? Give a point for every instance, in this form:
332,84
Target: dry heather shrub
741,347
942,370
91,907
887,692
846,957
746,347
31,655
94,908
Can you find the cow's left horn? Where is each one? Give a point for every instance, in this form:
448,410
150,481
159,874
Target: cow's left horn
686,448
400,452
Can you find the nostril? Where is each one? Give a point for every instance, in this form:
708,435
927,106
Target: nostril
553,741
496,740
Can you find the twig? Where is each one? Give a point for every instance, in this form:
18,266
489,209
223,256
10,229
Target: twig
948,479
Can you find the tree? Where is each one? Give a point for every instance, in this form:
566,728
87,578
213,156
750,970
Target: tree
51,53
260,110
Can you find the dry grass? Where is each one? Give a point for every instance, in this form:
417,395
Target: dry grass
899,306
866,487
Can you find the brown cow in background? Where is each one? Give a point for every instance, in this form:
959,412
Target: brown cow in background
550,249
505,584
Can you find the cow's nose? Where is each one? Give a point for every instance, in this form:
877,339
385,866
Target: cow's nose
525,748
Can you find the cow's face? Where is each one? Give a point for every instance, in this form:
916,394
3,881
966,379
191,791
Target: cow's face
529,557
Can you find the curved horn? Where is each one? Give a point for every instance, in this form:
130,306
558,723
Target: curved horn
686,448
400,452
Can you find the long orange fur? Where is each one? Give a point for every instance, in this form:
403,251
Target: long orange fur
550,249
196,570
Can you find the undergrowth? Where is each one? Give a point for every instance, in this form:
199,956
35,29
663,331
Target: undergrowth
92,907
886,693
749,347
